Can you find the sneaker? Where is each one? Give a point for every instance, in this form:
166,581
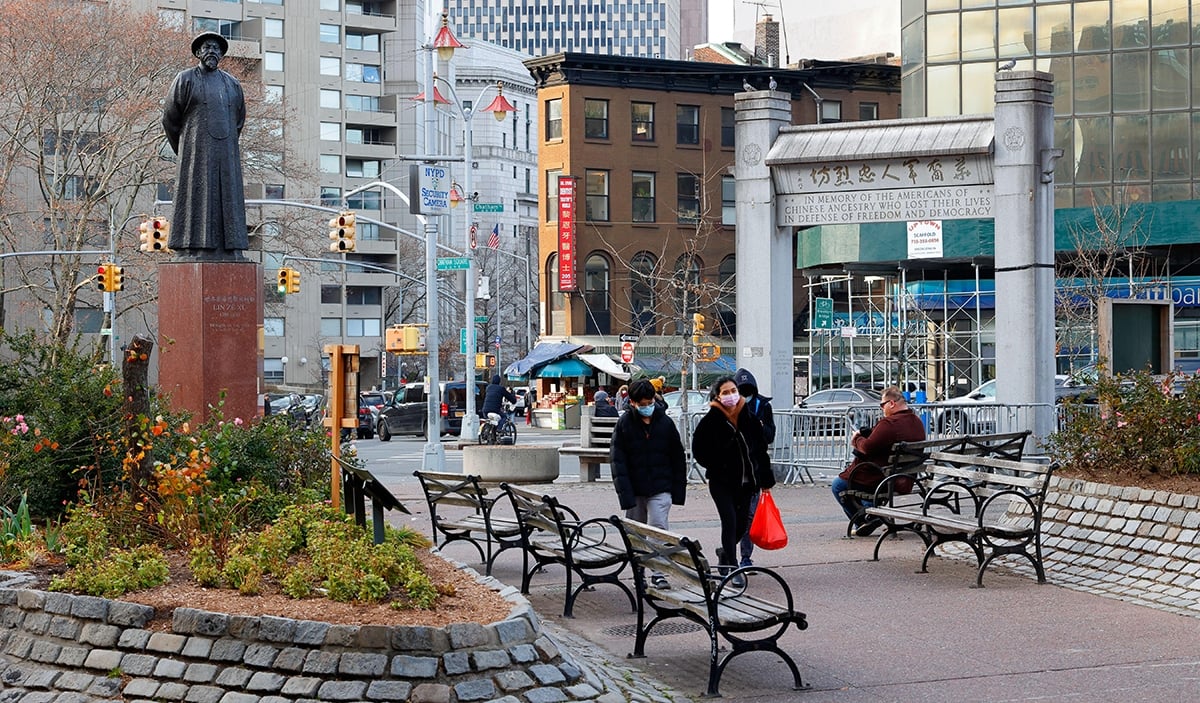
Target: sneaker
660,582
746,561
868,527
738,581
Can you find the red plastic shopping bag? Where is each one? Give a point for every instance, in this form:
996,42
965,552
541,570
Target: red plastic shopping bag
766,531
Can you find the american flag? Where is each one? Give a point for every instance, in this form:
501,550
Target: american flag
494,237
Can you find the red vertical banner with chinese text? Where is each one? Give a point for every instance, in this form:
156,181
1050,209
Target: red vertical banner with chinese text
566,233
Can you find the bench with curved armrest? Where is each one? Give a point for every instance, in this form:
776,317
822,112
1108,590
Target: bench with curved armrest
475,522
732,605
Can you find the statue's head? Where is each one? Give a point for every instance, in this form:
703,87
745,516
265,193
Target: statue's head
210,48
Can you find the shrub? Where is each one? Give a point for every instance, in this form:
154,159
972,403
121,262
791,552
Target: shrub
1145,425
68,399
117,573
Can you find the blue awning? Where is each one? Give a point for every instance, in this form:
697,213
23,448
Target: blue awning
542,353
564,368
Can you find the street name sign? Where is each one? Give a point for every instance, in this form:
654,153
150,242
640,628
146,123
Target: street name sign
489,207
453,263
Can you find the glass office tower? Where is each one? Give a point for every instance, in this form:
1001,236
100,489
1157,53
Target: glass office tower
1124,80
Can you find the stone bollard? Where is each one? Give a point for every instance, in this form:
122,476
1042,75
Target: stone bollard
514,463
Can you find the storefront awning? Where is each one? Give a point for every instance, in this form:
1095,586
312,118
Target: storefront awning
605,363
564,368
668,368
542,353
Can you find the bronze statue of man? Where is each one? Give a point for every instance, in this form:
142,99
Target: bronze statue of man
203,116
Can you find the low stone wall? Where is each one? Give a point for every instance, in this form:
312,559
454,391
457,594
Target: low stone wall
1135,543
61,647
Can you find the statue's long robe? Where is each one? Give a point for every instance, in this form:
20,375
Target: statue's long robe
203,117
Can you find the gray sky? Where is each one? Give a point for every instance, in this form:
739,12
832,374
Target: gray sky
815,29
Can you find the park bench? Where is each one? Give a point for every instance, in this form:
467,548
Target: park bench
748,600
476,525
907,458
552,533
999,512
595,438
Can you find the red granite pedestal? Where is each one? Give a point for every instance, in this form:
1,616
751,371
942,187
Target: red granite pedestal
210,324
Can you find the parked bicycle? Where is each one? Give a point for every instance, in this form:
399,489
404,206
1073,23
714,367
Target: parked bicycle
498,428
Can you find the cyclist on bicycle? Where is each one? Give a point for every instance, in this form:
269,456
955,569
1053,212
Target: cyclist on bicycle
494,397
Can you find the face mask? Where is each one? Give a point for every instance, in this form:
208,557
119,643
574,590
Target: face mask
645,410
730,400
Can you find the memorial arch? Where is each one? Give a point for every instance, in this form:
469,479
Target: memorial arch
925,174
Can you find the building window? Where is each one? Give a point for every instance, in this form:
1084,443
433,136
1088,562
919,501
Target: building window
331,34
331,131
273,370
331,99
831,111
367,231
273,94
230,29
367,200
728,201
727,124
331,5
272,60
554,118
331,327
362,42
642,116
330,163
641,293
685,278
643,196
331,196
687,198
362,73
362,327
595,119
727,297
273,327
552,194
331,66
597,196
362,168
868,111
363,295
273,191
687,124
595,296
331,295
362,103
272,28
556,296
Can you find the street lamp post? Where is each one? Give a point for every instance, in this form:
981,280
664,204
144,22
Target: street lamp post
499,107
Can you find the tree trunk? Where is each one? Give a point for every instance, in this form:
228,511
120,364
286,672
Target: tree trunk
135,369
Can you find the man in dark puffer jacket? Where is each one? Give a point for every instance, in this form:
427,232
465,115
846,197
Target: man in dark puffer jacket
648,464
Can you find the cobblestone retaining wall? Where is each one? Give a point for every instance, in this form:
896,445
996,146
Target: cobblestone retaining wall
1130,542
67,649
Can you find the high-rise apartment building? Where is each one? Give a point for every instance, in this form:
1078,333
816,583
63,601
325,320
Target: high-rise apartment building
346,73
655,30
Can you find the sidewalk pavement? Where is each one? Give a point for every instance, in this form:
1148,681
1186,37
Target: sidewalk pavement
879,631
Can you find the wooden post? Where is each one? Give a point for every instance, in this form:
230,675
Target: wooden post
343,406
135,369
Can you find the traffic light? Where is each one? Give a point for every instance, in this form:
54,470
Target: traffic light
116,280
405,339
341,231
293,285
153,234
697,327
102,277
283,280
481,360
491,361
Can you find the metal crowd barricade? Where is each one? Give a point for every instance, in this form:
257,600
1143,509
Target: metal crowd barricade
806,441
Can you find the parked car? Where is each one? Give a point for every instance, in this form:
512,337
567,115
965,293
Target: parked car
520,406
860,405
974,413
407,413
290,406
697,402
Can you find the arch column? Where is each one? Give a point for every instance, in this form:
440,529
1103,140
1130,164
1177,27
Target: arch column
764,251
